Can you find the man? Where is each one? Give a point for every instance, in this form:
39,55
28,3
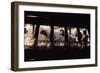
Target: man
84,39
43,40
61,38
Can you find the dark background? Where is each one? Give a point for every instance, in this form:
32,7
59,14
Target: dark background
62,19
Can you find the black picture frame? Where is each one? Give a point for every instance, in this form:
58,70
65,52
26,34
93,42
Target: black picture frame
49,17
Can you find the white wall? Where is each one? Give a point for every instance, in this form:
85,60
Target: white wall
5,28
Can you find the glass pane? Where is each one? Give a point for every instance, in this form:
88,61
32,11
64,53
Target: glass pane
85,40
44,36
59,36
29,35
72,37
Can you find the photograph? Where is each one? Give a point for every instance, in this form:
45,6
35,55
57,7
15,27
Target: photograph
52,36
56,36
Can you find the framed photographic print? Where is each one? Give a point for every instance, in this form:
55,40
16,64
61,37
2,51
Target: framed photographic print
52,36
